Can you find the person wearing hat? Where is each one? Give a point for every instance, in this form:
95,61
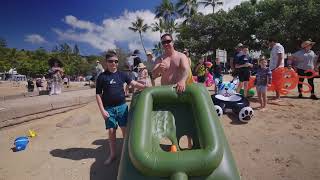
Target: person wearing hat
305,59
142,74
235,59
136,60
99,69
56,72
150,64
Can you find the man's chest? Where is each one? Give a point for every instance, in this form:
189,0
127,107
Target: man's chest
172,62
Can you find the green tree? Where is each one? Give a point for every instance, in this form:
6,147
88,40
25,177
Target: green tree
140,27
76,50
158,26
212,3
171,26
187,8
157,49
165,10
3,43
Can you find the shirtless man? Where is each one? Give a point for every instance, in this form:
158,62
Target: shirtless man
172,66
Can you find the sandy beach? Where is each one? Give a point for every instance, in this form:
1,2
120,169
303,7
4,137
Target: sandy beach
281,143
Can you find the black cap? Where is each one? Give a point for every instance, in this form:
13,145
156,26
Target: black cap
136,51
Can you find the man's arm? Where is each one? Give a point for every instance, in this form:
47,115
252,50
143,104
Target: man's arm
137,85
104,113
156,71
185,70
280,57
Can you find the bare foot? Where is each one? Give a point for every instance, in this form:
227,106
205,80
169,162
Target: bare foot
277,100
109,160
263,109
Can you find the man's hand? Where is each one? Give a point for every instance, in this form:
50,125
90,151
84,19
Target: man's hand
249,65
164,66
181,86
105,115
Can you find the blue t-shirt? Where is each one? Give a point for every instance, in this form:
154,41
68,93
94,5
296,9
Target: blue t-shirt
110,85
243,59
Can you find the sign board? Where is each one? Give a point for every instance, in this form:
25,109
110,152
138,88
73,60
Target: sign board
222,55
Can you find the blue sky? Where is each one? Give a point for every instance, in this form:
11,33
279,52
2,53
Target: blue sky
94,25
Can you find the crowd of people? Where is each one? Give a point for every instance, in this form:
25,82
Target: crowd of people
304,62
174,68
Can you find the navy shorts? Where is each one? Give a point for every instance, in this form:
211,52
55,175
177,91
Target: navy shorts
244,75
118,116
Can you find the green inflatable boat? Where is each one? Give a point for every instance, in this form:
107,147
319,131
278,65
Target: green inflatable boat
160,112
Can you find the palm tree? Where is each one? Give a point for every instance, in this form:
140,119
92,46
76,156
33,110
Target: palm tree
171,26
187,8
212,3
158,26
157,49
139,26
165,10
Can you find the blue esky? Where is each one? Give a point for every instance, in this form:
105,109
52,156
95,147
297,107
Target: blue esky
94,25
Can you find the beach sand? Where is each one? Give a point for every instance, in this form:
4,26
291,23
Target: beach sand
281,143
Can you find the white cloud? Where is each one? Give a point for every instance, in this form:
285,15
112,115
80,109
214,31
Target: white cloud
35,39
227,4
110,32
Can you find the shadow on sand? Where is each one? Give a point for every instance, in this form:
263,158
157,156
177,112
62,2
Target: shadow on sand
234,119
98,170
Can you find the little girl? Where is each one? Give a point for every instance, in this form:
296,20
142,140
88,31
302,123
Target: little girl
263,78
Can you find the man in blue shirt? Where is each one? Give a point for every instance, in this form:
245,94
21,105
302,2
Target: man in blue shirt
111,100
243,66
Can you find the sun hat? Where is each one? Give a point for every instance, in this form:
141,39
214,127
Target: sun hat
141,66
149,53
307,43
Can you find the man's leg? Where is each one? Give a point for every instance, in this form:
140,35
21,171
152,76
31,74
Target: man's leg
112,146
239,87
300,73
245,87
313,96
124,131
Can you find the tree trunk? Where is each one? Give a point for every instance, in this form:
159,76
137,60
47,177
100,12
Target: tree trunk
142,44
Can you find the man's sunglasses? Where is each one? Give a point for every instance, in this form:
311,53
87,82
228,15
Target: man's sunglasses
113,61
166,42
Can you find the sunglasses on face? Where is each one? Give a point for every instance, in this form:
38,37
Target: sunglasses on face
166,42
113,61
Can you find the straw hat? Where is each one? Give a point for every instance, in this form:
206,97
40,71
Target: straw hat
141,66
307,43
149,53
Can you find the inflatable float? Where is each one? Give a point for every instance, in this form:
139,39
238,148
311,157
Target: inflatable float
159,112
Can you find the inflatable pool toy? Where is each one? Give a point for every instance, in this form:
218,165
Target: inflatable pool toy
21,143
227,98
209,80
251,92
160,112
285,79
